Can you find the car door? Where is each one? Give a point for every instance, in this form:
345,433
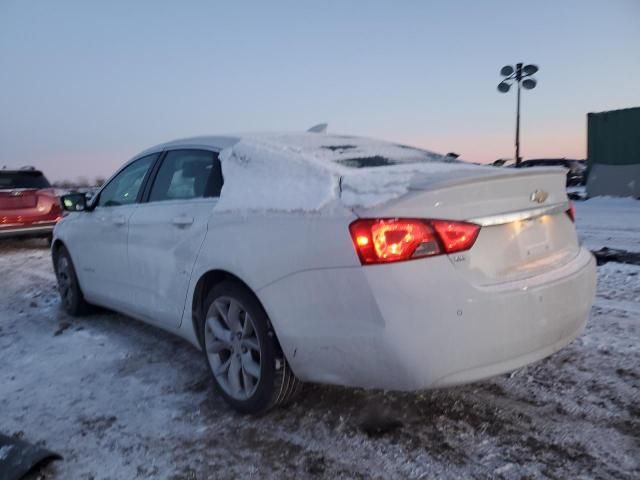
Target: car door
167,229
99,239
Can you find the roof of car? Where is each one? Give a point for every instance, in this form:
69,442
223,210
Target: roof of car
21,170
218,142
327,148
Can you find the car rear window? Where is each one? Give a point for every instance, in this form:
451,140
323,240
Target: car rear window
27,179
366,162
352,158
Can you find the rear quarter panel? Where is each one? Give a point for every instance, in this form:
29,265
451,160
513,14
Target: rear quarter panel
262,248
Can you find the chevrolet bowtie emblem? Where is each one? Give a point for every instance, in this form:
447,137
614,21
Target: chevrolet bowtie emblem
538,196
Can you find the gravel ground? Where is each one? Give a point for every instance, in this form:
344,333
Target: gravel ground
121,400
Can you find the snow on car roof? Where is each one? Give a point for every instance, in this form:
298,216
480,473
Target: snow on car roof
347,151
309,171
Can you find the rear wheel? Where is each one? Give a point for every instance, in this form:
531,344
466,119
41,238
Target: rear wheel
242,352
71,296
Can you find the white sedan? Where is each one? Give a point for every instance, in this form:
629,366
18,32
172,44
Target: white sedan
290,258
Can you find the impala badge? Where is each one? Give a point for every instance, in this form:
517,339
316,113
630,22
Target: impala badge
15,193
538,196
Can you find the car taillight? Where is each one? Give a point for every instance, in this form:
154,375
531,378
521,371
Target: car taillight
384,240
572,211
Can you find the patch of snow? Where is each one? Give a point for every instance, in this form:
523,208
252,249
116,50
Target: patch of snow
620,282
607,202
263,175
612,222
4,452
307,171
581,189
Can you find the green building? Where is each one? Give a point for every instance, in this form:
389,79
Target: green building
613,152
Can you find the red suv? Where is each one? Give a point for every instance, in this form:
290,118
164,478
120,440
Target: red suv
29,206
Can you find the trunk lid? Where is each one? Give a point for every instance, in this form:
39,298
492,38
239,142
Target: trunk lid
525,228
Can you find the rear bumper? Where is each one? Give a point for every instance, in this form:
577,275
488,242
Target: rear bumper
417,325
470,333
28,230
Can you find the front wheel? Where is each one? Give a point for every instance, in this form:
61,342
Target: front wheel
249,370
71,296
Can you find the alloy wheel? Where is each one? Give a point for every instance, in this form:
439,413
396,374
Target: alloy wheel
233,348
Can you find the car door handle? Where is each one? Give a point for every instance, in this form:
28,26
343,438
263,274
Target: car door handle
182,221
119,220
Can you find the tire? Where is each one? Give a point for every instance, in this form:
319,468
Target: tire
71,296
248,367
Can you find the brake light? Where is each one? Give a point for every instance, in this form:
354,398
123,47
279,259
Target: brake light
572,211
384,240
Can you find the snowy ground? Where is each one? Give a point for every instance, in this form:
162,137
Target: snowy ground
120,400
609,222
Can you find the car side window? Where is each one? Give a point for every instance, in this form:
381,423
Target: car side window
187,174
123,189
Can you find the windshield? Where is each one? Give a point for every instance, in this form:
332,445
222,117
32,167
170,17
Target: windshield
27,179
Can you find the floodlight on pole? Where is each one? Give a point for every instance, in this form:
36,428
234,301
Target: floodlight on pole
521,75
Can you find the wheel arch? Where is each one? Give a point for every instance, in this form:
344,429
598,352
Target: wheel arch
55,250
204,284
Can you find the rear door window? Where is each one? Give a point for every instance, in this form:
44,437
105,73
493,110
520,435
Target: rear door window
187,174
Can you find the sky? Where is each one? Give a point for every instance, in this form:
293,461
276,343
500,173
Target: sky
85,85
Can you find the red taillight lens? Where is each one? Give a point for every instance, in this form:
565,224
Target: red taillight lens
456,236
387,240
572,211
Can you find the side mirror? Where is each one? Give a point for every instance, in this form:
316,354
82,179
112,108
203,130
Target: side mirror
74,202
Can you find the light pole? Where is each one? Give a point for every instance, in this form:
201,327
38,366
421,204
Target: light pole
521,75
